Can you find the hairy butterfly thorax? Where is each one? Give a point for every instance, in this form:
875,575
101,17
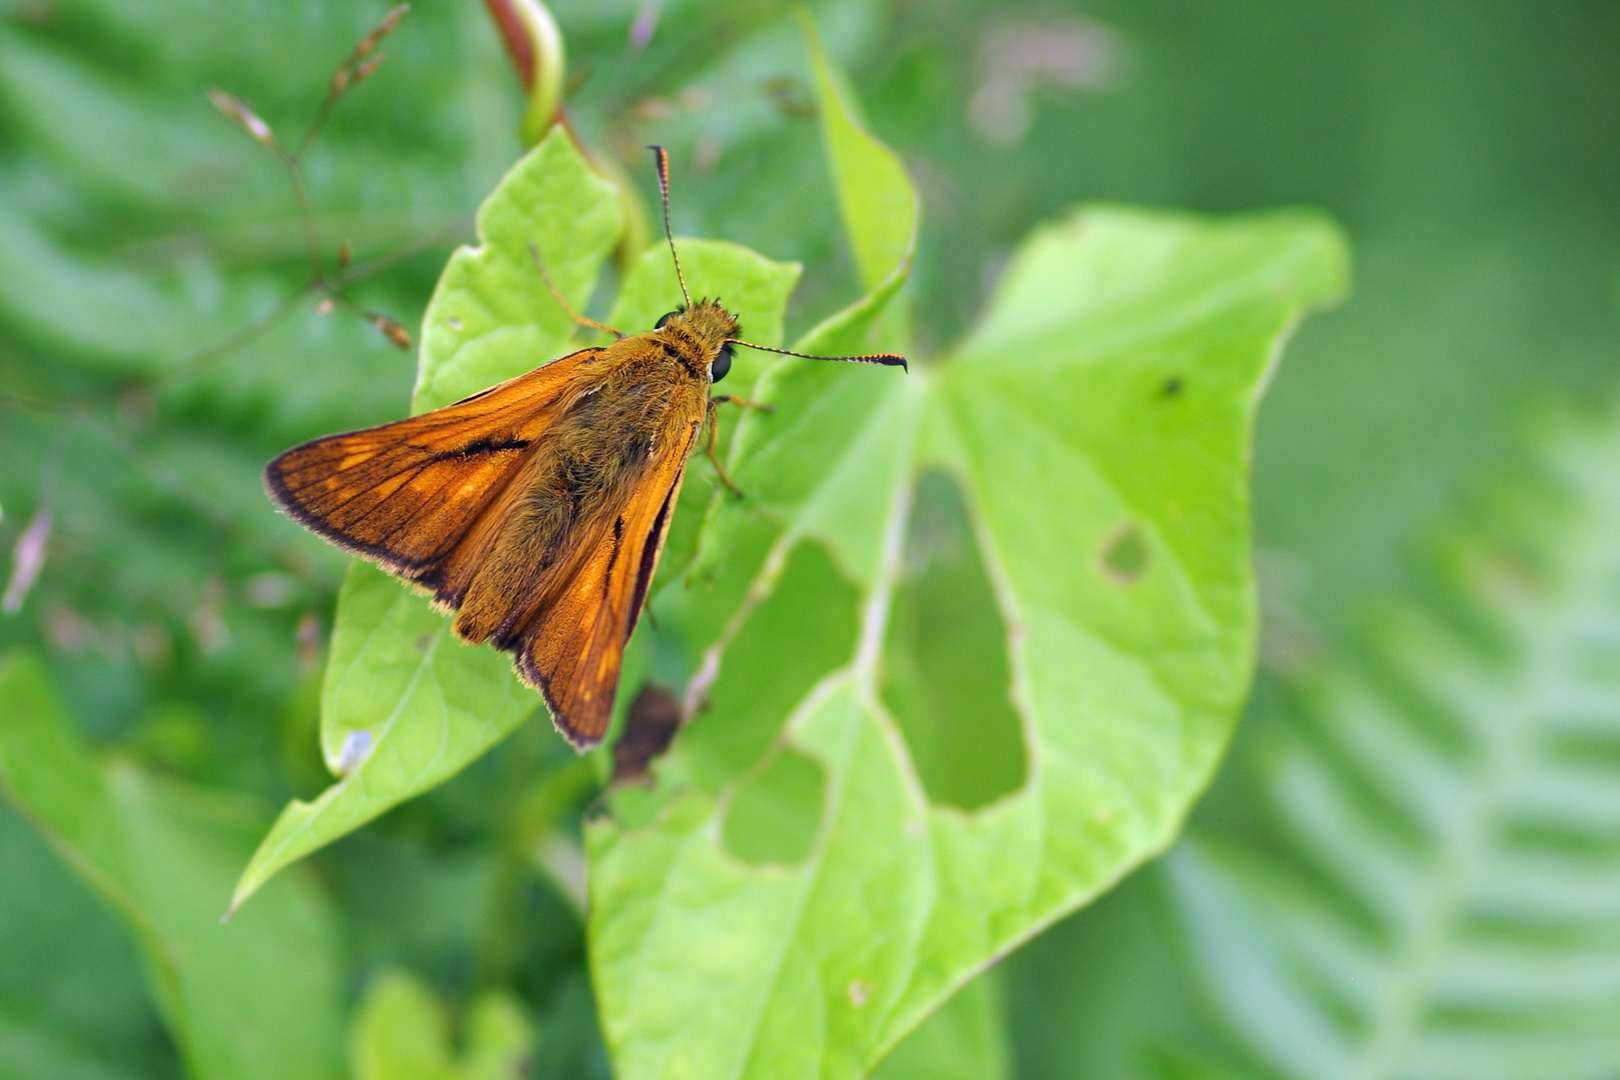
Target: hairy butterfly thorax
700,336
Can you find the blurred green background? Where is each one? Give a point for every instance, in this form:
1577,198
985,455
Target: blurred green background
1471,151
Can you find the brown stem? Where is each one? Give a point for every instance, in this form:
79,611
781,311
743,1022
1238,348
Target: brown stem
515,36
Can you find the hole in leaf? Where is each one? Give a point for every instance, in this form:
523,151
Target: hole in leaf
805,629
774,815
1124,554
945,672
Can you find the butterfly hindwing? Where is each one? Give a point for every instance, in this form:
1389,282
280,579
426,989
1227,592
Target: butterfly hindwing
573,648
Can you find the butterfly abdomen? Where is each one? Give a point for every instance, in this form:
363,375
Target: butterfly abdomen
587,469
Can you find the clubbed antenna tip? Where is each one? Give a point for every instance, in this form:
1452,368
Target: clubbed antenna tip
886,359
662,158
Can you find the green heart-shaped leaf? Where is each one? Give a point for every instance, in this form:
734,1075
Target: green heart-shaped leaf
1090,443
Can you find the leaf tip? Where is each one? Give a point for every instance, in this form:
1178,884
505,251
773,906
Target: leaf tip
244,889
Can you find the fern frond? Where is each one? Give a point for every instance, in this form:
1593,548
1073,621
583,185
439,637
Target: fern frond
1446,903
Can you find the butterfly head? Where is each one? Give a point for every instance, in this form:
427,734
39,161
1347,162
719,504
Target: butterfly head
705,328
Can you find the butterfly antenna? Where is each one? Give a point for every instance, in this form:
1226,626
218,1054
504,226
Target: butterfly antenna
887,359
663,191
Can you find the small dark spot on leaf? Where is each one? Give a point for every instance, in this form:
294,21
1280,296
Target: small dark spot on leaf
1171,387
423,640
1124,554
653,719
789,97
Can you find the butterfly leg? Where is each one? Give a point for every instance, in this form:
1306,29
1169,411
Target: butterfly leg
713,417
562,301
724,399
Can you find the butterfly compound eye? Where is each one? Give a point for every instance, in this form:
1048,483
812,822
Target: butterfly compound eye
662,319
721,365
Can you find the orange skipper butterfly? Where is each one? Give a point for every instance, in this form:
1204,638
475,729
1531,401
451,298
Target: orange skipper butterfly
536,510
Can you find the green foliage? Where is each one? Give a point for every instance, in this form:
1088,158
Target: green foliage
1151,336
30,1053
401,1033
155,351
963,1040
491,314
876,200
405,707
257,998
1440,900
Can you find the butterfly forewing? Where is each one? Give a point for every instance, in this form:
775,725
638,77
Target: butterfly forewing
406,493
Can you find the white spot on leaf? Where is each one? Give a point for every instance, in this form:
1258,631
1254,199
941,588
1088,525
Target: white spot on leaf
356,748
